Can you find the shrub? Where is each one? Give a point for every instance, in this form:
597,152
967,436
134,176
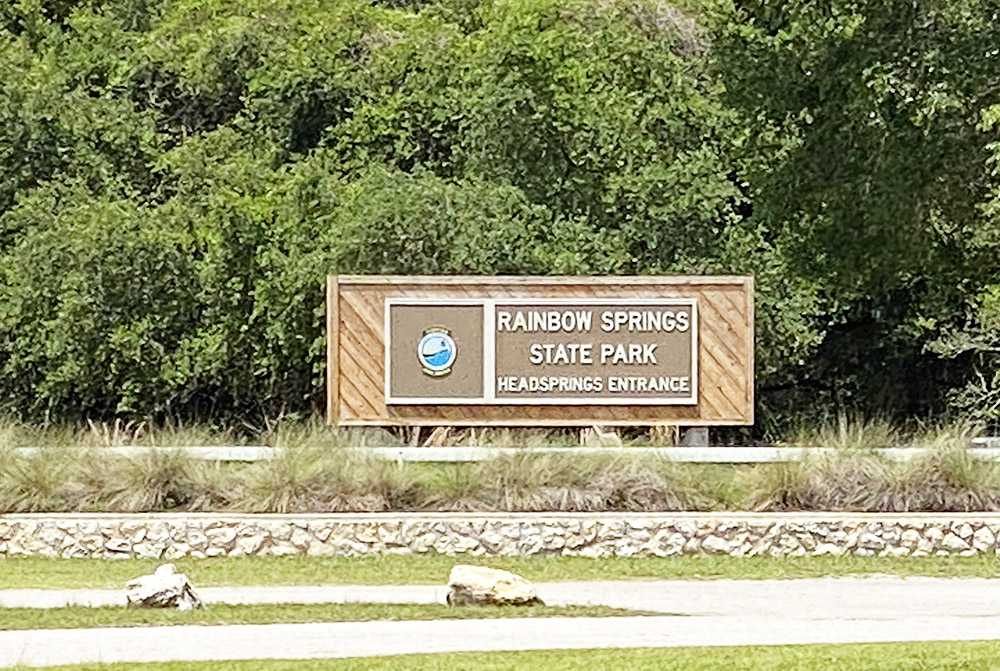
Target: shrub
95,300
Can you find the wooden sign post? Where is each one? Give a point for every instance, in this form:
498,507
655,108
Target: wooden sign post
540,351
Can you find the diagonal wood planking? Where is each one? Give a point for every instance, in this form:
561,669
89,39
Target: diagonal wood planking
725,355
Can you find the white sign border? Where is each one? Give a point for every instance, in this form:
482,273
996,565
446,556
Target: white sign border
489,351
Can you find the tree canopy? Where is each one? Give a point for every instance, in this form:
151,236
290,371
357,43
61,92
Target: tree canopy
178,176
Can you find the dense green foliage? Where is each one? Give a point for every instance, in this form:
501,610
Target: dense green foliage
883,185
178,176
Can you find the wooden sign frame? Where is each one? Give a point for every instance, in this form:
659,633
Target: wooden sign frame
357,309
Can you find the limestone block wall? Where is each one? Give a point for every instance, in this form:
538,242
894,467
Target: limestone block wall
170,536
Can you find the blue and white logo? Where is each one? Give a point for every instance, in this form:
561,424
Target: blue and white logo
437,351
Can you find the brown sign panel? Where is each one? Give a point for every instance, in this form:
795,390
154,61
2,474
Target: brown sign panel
581,351
434,352
540,351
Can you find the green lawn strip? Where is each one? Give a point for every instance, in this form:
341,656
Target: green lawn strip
34,572
75,617
940,656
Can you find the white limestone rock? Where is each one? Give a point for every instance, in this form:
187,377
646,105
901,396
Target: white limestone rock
954,544
165,588
480,585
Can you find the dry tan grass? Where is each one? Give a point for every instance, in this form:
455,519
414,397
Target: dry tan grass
847,431
313,473
946,480
306,479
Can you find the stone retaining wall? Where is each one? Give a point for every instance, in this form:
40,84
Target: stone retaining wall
588,535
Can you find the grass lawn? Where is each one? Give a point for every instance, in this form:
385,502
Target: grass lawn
33,572
117,616
964,656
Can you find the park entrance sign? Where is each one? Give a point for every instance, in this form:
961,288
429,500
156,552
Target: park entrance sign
414,350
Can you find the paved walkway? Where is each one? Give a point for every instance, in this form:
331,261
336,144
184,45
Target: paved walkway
352,639
715,612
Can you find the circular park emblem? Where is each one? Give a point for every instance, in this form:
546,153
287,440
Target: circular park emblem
436,351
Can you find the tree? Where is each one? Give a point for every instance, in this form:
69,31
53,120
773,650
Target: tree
879,176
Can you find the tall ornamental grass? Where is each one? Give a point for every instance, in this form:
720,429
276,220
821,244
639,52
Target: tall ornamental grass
304,479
